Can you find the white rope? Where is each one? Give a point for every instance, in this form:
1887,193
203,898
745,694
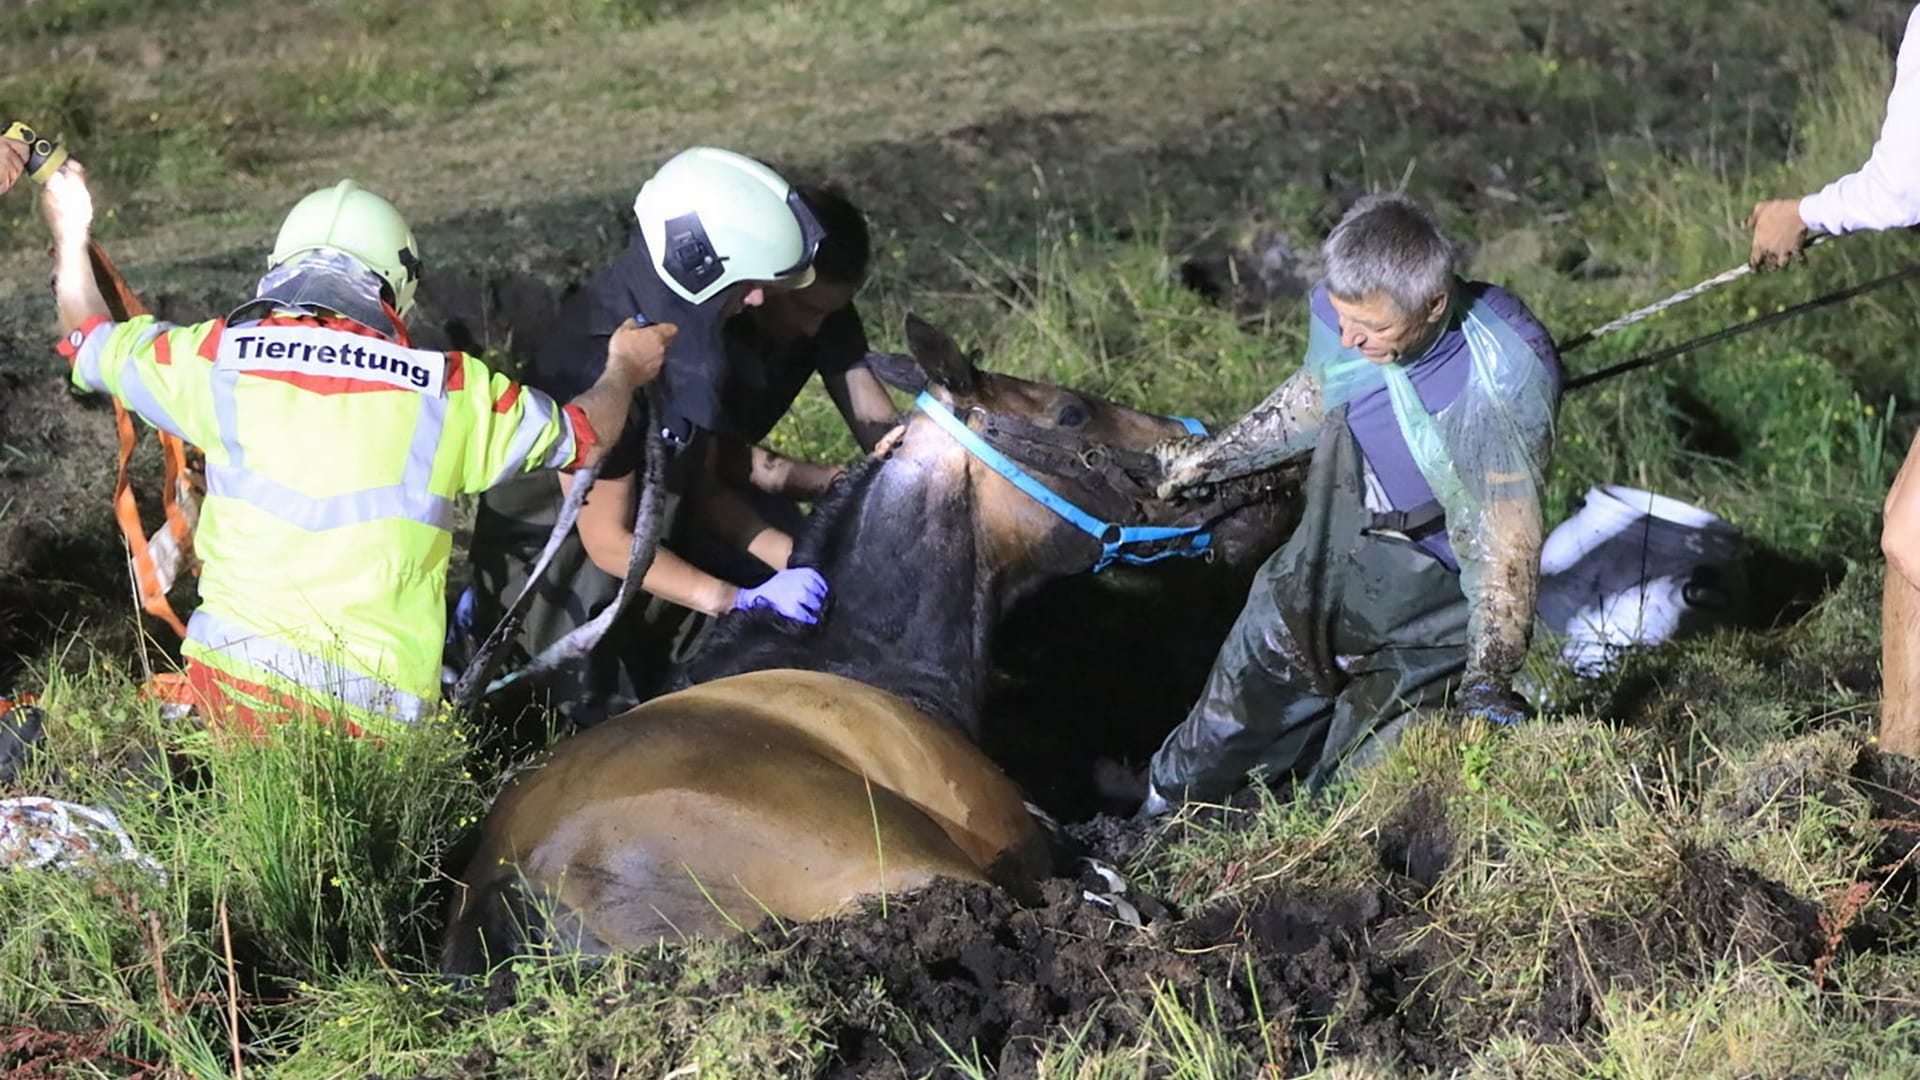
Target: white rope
37,832
1681,297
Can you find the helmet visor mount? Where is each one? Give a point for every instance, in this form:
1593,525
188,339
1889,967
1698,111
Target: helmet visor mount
691,261
689,257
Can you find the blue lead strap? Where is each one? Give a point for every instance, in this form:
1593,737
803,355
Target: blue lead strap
1194,427
1113,538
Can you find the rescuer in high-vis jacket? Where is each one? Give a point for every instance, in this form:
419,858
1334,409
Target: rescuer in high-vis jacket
334,452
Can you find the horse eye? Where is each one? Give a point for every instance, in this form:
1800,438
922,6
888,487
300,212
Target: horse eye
1071,416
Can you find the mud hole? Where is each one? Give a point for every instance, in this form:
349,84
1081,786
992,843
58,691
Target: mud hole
988,977
964,965
1292,976
1329,973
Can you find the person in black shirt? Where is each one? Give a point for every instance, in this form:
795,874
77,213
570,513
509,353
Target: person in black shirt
772,351
714,411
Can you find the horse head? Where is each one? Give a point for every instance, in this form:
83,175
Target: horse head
1065,481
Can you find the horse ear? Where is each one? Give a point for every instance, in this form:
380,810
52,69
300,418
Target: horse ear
898,370
938,356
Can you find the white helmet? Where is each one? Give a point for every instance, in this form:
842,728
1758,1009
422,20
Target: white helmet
713,218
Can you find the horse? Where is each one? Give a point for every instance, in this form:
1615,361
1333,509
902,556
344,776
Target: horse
802,768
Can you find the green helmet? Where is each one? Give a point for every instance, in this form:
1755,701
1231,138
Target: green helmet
713,218
353,221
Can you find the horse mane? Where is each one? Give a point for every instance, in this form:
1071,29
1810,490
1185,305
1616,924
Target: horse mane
905,614
728,632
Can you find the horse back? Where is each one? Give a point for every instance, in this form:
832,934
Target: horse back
790,794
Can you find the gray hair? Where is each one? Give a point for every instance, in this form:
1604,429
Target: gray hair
1390,244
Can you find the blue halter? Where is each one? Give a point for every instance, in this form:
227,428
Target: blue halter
1114,538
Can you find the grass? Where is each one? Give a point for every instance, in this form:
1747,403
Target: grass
1038,178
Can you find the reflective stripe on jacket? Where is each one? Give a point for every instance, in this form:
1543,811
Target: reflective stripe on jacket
333,459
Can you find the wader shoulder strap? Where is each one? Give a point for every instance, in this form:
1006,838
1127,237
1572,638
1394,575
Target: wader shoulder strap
1415,523
157,561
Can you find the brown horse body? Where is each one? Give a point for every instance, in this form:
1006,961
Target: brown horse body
787,792
812,766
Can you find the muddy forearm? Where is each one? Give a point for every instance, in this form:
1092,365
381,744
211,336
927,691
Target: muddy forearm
1280,429
1503,591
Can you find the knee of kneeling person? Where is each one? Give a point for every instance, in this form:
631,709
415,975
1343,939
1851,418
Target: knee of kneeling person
1900,543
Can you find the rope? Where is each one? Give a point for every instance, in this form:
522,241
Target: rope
475,682
1681,297
1911,270
37,832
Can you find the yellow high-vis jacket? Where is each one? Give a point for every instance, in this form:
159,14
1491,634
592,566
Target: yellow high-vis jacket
333,459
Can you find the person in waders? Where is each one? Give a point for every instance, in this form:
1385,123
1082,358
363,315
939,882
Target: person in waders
1425,406
334,452
717,233
1883,194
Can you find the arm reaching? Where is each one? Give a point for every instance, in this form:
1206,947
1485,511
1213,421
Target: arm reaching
1883,194
635,355
863,403
606,531
67,205
1280,429
1502,620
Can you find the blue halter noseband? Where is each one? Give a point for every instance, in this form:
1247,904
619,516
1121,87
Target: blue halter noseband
1114,539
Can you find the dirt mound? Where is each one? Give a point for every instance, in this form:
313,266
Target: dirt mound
1711,909
990,978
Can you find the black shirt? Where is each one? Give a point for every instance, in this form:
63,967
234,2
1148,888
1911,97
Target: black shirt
571,352
763,375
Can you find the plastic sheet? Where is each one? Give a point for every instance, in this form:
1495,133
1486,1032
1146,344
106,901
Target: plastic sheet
1484,456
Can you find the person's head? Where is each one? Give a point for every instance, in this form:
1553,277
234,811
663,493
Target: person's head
839,268
1390,276
348,244
723,229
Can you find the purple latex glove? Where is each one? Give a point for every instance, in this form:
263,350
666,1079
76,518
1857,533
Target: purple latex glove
796,592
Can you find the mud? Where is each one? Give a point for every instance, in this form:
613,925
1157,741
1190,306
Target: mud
1292,977
1711,910
970,967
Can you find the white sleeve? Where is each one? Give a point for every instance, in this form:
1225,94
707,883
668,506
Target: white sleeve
1885,193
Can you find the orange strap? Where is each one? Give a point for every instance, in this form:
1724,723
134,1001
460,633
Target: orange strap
7,705
123,305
